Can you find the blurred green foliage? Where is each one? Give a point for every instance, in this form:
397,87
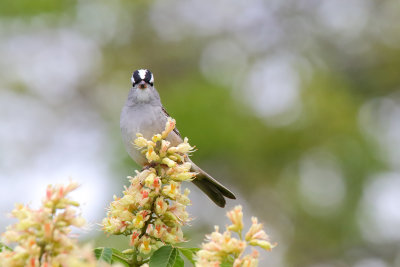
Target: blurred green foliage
22,8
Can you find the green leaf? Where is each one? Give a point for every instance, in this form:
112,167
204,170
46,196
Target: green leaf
179,261
111,255
118,256
189,253
164,257
227,263
4,247
104,254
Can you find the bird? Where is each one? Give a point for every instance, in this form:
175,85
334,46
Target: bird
144,113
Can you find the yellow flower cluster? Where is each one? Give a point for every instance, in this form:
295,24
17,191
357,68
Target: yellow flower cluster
153,209
42,235
223,248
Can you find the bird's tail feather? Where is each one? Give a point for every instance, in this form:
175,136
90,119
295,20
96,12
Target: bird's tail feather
211,187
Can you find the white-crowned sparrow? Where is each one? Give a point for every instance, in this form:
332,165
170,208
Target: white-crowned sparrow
143,113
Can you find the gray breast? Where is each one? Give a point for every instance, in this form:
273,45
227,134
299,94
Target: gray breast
145,119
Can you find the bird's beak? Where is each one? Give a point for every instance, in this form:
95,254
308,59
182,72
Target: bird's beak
142,85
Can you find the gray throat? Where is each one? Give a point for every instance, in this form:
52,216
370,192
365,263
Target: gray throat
138,96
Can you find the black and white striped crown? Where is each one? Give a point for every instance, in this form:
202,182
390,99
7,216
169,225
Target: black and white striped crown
142,75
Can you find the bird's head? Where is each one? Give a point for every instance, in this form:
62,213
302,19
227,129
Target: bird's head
142,79
143,86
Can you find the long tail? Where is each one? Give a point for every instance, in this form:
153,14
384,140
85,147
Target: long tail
211,187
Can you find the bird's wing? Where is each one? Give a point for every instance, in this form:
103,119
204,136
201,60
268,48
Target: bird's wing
166,114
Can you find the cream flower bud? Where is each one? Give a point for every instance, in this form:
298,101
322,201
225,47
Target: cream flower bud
255,231
134,238
236,217
263,244
156,138
143,197
153,182
140,177
161,206
179,158
113,225
184,198
184,176
145,246
151,155
170,219
149,180
78,222
179,210
128,251
70,187
184,147
250,261
169,162
173,235
185,167
164,148
238,263
174,158
171,190
159,229
140,219
169,127
172,150
140,141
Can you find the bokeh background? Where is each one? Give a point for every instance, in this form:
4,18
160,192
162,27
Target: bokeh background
295,105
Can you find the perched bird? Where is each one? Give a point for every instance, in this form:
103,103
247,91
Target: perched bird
143,113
